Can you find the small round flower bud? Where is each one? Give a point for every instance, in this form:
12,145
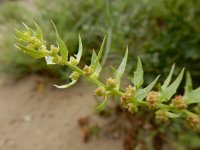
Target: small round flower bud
130,90
100,91
74,76
193,122
27,36
123,100
161,115
43,47
55,60
111,83
73,60
179,102
54,50
31,46
87,70
132,108
152,98
95,75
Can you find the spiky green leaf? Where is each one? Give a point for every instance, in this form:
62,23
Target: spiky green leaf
169,77
138,75
61,45
20,36
142,93
93,61
192,96
188,84
120,71
39,32
80,50
31,52
169,91
99,54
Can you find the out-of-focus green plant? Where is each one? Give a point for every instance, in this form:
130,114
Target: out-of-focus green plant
12,61
134,98
161,32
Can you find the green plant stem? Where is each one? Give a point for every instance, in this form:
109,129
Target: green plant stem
120,93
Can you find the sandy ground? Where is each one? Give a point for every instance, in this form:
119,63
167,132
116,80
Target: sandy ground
34,115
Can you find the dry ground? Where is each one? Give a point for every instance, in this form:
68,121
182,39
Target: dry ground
34,115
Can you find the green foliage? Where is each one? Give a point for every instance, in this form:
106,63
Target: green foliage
134,98
161,32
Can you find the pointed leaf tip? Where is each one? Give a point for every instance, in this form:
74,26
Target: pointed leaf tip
138,78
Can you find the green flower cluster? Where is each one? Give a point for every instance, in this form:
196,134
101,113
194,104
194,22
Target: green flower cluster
135,97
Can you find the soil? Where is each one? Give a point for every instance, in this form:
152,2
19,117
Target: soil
34,115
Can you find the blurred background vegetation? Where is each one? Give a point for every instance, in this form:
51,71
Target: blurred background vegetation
161,32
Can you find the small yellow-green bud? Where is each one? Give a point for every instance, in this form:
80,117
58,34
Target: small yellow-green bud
55,60
43,47
35,41
54,50
132,108
31,46
161,115
73,60
193,122
100,91
111,83
95,75
74,76
152,98
87,70
27,36
179,102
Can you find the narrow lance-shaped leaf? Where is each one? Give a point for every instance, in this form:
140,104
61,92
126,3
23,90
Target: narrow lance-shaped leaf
142,93
120,71
80,50
61,45
169,77
193,96
93,61
188,85
31,52
66,85
103,104
138,75
39,32
29,30
99,54
21,36
171,90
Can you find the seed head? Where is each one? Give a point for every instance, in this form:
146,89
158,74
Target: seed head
179,102
161,115
73,60
152,98
193,122
87,70
54,50
111,83
132,108
100,91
